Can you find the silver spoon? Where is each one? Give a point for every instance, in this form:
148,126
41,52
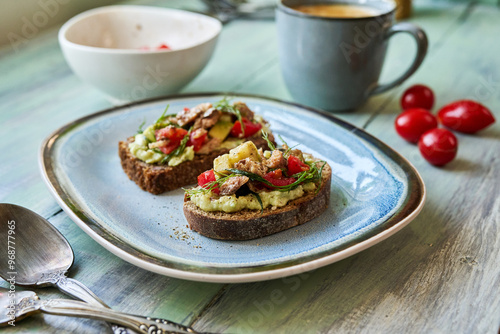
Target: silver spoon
40,256
19,305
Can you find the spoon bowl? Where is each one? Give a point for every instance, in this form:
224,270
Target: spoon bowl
41,253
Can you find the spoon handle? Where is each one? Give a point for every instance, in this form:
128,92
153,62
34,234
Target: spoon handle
79,291
137,323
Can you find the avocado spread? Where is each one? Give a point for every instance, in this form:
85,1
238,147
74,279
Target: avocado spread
139,148
231,203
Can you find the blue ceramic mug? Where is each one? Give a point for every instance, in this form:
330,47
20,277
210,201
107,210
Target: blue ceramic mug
335,63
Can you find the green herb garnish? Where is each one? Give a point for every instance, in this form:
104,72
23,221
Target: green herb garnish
160,122
288,148
163,115
140,130
269,143
157,151
257,196
224,106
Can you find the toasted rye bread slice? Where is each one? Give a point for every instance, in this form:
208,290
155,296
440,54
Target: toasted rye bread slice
251,224
158,179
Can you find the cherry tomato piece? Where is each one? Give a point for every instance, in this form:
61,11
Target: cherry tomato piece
412,123
197,139
171,133
169,147
466,116
417,96
273,178
284,181
295,166
250,128
438,146
207,177
275,174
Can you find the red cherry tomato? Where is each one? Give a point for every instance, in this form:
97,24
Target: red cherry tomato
275,179
466,116
295,165
417,96
207,177
438,146
412,123
197,139
275,174
250,128
171,133
169,147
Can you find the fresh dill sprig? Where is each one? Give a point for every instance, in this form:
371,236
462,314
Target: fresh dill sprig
255,177
163,115
140,130
160,122
257,197
224,106
287,152
283,141
320,175
269,143
183,143
157,151
288,148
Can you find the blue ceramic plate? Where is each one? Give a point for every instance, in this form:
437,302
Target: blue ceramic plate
374,193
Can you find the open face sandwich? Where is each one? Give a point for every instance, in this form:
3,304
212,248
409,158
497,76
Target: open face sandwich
174,150
251,193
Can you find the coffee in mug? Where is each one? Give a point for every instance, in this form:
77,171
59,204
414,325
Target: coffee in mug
337,10
331,52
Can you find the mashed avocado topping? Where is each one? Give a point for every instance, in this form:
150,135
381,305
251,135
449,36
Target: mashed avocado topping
139,149
205,128
186,155
230,203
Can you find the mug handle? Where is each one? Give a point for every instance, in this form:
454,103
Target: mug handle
422,44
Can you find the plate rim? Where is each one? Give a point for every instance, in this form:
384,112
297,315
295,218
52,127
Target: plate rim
252,273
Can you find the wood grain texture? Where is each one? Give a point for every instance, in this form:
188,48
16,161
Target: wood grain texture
439,275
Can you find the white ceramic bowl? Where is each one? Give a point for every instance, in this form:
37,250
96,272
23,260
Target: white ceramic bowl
103,47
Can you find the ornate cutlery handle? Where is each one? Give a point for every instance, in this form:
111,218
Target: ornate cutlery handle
134,322
78,290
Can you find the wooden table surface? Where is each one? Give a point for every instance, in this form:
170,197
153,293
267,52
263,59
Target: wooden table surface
440,274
